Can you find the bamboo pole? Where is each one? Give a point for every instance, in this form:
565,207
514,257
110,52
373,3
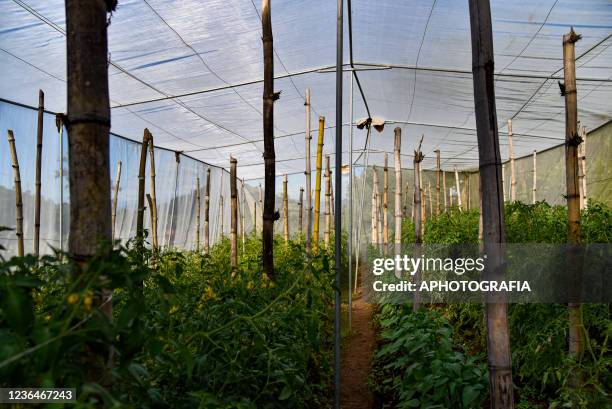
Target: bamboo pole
438,176
198,211
221,217
512,167
583,170
59,123
424,207
39,146
377,221
444,190
572,141
115,200
327,230
269,96
504,181
397,147
260,193
141,185
418,213
535,178
386,203
153,194
301,213
242,215
18,197
498,337
373,219
468,192
285,210
308,172
458,188
207,213
430,199
319,165
234,216
450,195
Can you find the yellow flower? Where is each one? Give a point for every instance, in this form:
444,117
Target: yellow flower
73,298
265,277
47,317
174,309
209,294
88,300
250,285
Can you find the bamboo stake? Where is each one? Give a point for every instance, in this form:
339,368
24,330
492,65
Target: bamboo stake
423,208
317,203
198,211
301,213
504,181
450,195
221,217
207,213
115,199
583,170
468,193
498,337
141,185
373,219
512,169
377,220
269,96
18,197
150,204
59,123
327,202
458,188
153,194
308,137
535,178
418,213
430,199
285,210
444,189
397,146
386,203
260,192
39,146
438,176
234,216
242,215
572,141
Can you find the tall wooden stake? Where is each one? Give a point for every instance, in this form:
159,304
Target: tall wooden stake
141,184
153,194
418,212
535,178
444,190
221,217
327,230
397,146
39,146
18,197
438,177
431,211
301,213
242,215
198,211
285,210
207,213
503,178
386,203
317,203
498,338
572,141
115,200
469,192
583,170
308,173
512,167
373,222
458,188
234,215
269,96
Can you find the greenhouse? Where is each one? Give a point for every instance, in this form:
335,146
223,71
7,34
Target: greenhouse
305,204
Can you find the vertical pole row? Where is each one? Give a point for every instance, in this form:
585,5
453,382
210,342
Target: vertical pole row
18,197
39,146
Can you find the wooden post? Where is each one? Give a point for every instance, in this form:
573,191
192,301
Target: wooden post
431,211
234,215
373,222
39,146
458,188
18,197
444,190
418,213
88,127
308,172
115,200
424,205
498,337
285,210
221,217
242,215
327,213
583,171
319,164
153,194
438,176
386,203
269,96
468,192
141,184
207,213
512,169
572,141
301,213
198,211
397,146
535,178
504,181
260,195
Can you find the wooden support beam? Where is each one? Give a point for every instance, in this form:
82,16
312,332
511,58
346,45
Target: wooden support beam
18,196
39,147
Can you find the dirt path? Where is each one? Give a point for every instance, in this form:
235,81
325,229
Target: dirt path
356,358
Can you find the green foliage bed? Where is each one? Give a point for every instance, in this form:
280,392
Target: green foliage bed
185,333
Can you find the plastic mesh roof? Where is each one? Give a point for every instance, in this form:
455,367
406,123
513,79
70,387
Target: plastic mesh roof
191,72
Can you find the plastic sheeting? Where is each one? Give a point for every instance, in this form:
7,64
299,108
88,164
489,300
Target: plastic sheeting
175,188
200,66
